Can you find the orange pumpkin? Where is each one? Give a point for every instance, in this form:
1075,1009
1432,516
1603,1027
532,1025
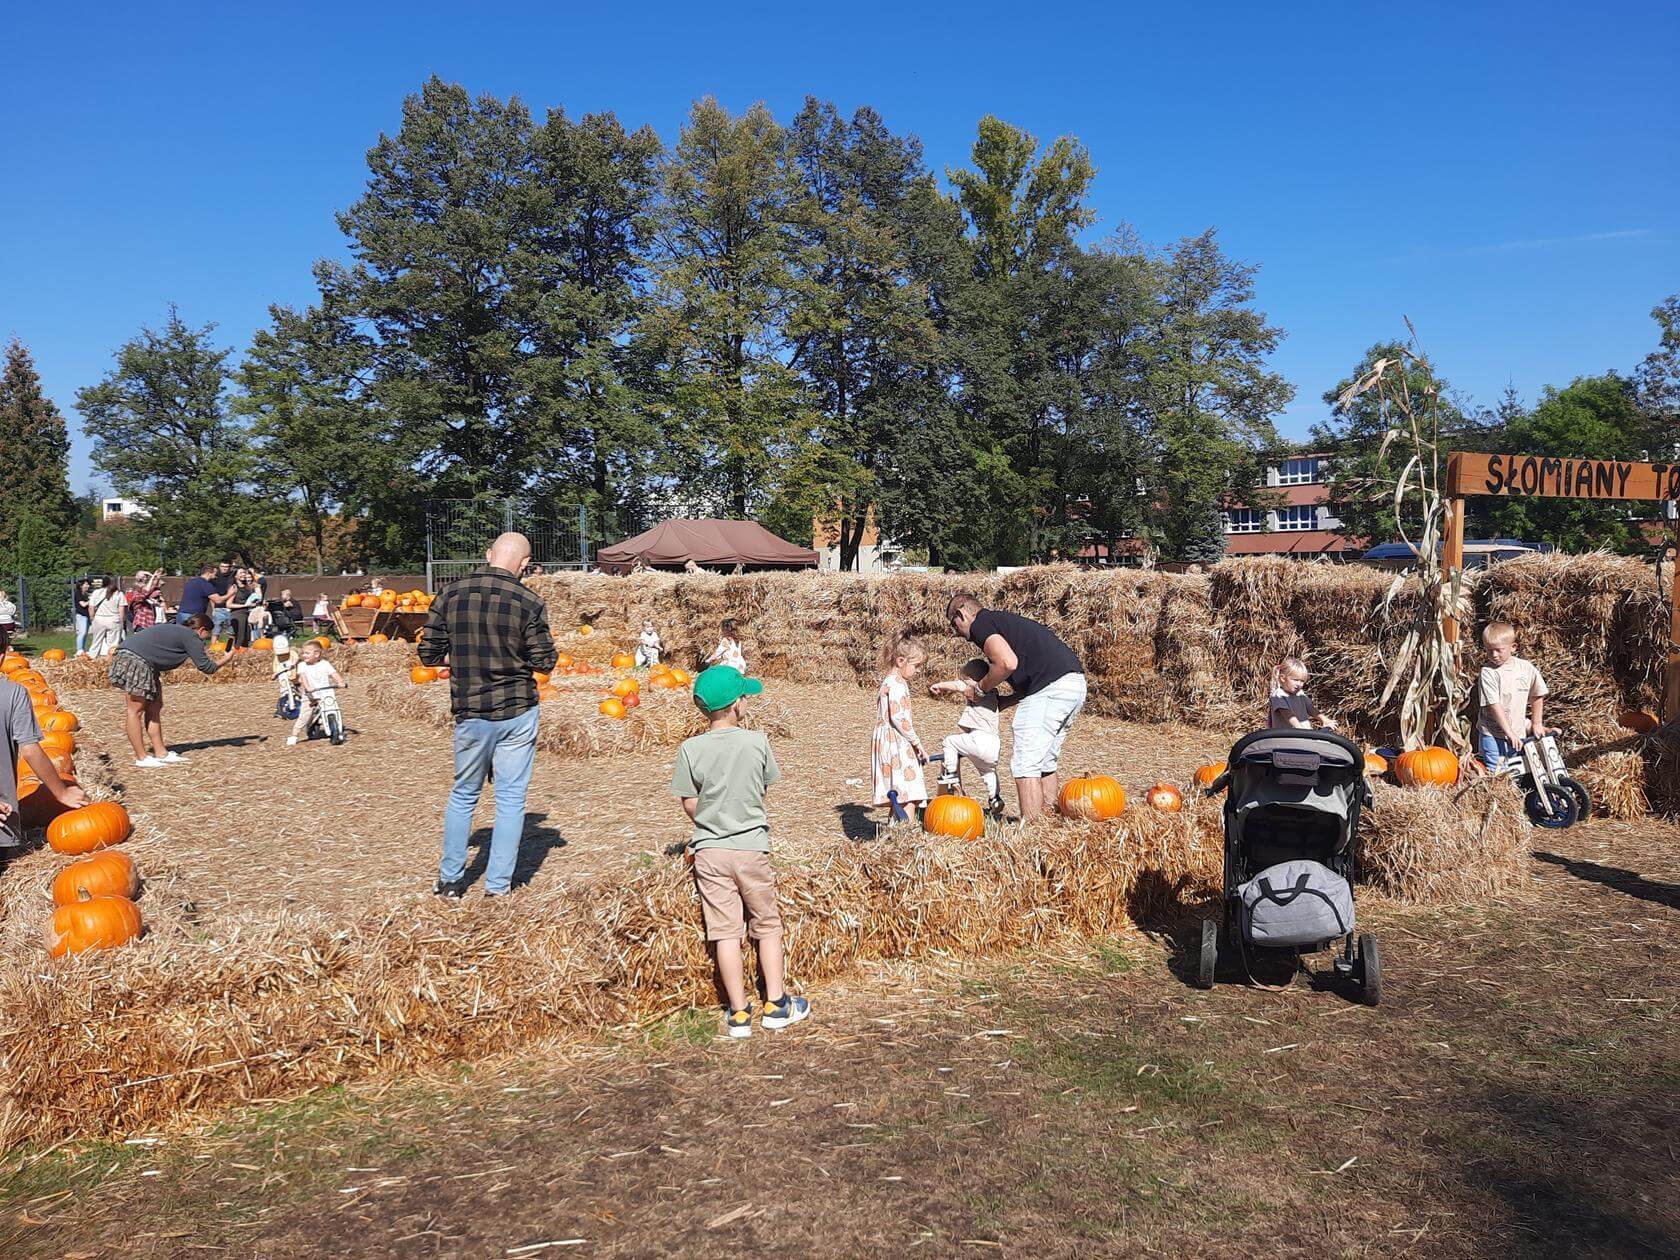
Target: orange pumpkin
58,743
625,687
613,707
585,631
62,720
957,816
263,644
546,692
1205,775
1375,766
421,674
681,676
562,661
98,923
1165,797
352,601
540,675
1427,767
379,638
623,660
92,827
1639,721
53,654
1093,796
664,680
110,874
43,699
12,662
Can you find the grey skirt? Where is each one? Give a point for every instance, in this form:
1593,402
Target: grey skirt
131,674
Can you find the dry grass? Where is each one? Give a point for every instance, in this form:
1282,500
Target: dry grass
90,674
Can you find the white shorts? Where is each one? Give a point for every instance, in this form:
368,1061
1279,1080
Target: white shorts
1041,726
980,747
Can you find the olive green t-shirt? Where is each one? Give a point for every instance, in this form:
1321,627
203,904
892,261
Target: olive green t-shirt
728,771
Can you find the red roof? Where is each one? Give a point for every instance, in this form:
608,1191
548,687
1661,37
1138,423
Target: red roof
1306,542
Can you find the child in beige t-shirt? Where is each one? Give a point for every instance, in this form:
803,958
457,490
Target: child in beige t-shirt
976,737
1510,696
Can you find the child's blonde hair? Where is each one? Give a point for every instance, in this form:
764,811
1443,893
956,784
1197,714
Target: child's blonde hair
1499,632
312,646
906,647
1289,665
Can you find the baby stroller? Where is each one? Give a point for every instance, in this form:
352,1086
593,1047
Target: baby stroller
1291,815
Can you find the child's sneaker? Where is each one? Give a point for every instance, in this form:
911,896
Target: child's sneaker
994,807
738,1024
790,1010
291,740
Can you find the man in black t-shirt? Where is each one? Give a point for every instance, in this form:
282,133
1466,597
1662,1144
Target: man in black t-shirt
1048,680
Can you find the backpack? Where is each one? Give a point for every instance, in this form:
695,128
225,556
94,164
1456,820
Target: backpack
1296,903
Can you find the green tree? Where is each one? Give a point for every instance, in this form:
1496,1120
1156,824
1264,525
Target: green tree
1207,394
861,333
1595,417
727,259
34,466
321,441
1658,383
1359,495
163,435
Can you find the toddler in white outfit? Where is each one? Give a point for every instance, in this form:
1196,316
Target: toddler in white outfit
976,737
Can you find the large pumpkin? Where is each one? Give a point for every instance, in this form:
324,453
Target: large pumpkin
91,827
422,674
1640,721
42,699
623,660
263,644
959,816
665,680
1165,797
1427,767
53,654
613,707
58,743
62,720
98,923
681,677
626,687
1093,796
1205,775
352,601
108,874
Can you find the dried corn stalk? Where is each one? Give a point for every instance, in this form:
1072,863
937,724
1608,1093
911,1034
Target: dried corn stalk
1424,669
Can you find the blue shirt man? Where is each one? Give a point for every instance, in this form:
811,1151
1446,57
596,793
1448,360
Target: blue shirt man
195,596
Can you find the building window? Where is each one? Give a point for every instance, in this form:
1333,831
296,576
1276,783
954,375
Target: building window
1297,518
1243,521
1298,472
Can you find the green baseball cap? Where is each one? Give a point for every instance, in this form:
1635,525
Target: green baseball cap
722,685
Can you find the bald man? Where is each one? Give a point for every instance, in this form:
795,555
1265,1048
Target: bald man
492,632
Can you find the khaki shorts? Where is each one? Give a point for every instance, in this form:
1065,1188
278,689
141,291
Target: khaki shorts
737,894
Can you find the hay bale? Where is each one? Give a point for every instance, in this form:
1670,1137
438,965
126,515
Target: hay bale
1440,846
90,674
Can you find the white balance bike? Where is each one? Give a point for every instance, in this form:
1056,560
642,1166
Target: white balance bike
1551,796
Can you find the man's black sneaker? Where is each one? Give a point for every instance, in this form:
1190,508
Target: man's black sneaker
451,891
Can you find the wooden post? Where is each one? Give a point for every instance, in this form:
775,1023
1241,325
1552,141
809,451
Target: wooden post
1452,549
1671,675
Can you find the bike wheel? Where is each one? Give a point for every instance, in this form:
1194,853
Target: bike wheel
1583,798
1562,813
335,728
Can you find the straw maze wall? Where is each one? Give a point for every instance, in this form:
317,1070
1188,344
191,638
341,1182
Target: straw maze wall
1192,647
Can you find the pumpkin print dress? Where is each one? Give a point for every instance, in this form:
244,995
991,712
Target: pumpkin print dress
893,754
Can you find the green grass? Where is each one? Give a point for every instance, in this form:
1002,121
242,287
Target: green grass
38,641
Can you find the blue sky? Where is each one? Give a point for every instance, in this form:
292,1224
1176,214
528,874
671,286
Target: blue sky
1506,175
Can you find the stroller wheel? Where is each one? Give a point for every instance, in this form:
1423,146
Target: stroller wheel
1370,969
1208,962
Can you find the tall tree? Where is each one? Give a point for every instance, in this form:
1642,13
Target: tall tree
1658,383
34,464
1595,417
726,265
321,442
163,435
1360,496
1208,395
450,274
588,380
862,335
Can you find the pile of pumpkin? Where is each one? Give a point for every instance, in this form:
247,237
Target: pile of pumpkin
93,897
391,601
626,692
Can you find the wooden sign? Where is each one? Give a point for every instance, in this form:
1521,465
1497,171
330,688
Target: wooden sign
1543,476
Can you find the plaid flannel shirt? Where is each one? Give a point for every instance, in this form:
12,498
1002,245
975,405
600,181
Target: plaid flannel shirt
492,632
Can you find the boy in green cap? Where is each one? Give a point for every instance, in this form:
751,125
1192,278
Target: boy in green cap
721,776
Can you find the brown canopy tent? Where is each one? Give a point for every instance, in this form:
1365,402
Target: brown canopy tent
712,544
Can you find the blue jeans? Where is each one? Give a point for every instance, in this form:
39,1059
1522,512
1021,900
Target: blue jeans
221,622
81,633
510,747
1494,748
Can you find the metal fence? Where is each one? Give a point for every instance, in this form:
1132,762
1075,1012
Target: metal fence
564,535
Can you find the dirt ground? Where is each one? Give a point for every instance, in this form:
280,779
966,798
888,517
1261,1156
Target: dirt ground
1515,1095
253,822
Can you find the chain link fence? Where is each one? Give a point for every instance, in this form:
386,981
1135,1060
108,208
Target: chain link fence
564,535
